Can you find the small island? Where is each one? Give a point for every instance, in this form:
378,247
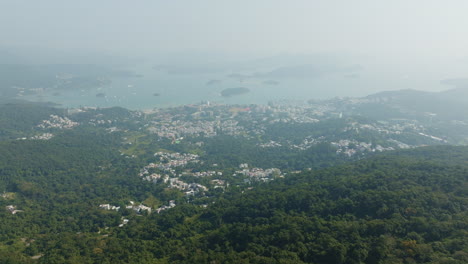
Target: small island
234,91
101,95
271,82
213,82
156,94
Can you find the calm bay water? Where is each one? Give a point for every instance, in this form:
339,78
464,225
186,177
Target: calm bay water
180,89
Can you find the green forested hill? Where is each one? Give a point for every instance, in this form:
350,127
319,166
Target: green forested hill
394,207
403,207
58,185
19,119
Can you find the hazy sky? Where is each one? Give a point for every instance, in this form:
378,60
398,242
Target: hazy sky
401,28
394,44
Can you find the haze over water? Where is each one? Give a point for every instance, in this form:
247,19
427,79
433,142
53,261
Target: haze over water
157,88
297,50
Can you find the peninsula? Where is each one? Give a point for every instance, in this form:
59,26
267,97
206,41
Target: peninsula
234,91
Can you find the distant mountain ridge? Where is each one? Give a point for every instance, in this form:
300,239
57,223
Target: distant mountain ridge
460,93
449,104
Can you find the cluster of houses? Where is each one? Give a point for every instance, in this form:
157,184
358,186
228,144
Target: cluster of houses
176,129
258,174
12,209
44,136
351,147
124,222
217,183
109,207
190,189
169,161
56,121
172,129
203,173
133,206
165,207
154,177
270,144
96,122
137,208
307,143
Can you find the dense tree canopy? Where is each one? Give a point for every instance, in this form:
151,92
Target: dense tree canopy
397,207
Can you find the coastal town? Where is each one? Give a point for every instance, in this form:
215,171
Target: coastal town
176,142
262,122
